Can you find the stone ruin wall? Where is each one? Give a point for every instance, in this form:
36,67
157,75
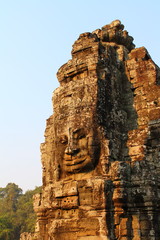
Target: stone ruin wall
101,158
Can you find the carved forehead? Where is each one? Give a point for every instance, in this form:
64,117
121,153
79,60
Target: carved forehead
74,124
75,98
75,105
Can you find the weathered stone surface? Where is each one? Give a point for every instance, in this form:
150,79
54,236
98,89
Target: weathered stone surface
101,158
28,236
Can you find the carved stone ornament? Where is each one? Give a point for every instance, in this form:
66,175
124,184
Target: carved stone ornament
101,155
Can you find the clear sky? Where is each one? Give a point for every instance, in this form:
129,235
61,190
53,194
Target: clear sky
36,39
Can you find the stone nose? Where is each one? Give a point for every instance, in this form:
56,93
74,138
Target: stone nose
71,151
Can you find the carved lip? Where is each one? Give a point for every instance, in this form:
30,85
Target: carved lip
73,163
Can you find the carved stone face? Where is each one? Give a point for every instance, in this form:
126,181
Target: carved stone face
78,150
75,127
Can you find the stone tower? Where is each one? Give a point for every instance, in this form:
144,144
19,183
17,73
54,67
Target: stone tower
101,155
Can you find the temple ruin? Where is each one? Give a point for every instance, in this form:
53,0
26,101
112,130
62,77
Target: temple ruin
101,155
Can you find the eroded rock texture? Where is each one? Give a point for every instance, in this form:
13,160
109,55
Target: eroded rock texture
101,158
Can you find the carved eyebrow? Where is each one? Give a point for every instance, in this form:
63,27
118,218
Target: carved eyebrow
79,130
63,136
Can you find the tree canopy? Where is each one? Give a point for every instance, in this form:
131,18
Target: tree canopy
16,211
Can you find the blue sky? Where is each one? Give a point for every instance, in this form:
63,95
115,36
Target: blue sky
36,39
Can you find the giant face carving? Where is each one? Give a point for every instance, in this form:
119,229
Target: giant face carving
77,149
76,138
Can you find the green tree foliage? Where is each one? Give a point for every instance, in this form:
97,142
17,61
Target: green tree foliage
6,229
25,211
16,211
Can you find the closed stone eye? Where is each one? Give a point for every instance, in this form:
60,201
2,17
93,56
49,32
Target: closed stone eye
64,140
78,134
81,136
